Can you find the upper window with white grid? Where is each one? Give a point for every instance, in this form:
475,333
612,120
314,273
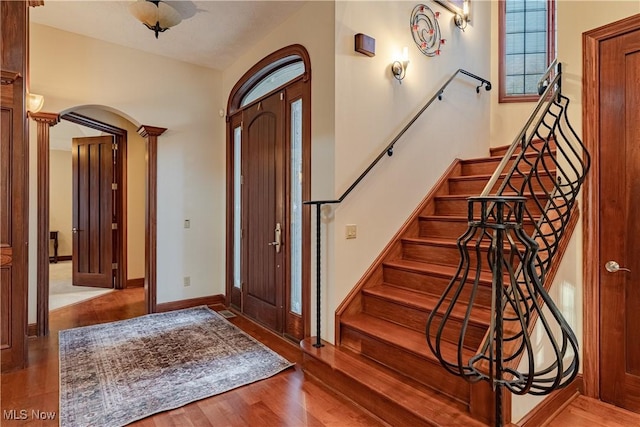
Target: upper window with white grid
527,46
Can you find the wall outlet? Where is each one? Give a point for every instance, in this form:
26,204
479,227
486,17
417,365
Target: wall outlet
187,223
187,281
350,231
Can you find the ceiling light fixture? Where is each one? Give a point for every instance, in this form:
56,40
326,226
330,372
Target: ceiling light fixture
156,15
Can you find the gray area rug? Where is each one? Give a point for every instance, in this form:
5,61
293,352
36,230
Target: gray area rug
116,373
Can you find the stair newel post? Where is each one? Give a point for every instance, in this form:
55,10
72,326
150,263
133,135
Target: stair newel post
318,343
499,304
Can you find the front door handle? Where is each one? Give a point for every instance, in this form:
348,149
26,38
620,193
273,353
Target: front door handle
613,267
278,238
74,230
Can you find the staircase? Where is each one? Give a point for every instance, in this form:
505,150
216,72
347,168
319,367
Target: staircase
381,359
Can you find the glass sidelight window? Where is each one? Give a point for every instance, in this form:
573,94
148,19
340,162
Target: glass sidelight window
237,197
296,206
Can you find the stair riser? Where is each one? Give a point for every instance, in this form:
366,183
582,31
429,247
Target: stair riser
487,167
425,371
433,285
501,151
374,401
445,255
452,229
434,254
416,319
461,207
475,186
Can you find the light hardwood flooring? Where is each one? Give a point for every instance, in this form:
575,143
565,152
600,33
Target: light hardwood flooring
287,399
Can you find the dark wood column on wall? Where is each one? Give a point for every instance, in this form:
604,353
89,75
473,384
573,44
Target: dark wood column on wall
151,133
44,122
14,183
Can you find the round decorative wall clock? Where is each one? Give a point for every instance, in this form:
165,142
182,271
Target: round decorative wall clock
425,30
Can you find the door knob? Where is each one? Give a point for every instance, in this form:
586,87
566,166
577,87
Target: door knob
612,267
74,230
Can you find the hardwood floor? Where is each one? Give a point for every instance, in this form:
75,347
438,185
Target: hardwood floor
586,412
287,399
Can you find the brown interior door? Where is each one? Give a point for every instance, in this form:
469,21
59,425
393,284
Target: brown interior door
93,213
619,222
263,250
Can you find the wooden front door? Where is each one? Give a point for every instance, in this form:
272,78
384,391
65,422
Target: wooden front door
93,213
619,239
263,175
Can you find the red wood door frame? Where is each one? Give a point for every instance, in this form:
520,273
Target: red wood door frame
593,259
297,89
151,134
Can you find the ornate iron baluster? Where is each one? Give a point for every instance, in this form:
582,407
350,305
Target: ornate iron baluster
517,300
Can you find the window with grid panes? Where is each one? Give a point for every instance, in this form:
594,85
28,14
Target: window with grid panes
527,46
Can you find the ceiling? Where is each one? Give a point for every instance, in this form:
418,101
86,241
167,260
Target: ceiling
212,34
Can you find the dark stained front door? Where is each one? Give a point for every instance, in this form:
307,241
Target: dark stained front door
620,220
92,160
263,175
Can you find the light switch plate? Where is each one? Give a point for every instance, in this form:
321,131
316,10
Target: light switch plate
351,231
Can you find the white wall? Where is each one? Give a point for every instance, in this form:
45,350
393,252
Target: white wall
60,208
72,70
371,107
573,18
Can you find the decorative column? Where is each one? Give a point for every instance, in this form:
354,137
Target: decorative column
44,121
151,133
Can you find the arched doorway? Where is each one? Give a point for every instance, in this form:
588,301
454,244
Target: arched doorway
268,177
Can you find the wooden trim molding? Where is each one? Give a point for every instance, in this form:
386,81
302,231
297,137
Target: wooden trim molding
266,65
8,77
591,230
192,302
32,330
135,283
553,404
44,208
151,133
551,51
44,123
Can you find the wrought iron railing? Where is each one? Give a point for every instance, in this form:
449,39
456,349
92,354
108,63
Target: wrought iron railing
518,223
388,150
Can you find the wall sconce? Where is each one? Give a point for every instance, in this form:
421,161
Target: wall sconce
461,20
156,15
399,67
34,102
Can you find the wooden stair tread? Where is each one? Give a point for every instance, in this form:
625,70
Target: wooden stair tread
479,315
463,218
498,158
447,197
483,176
432,407
444,242
401,337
